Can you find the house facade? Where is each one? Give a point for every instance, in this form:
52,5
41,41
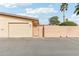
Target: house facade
12,25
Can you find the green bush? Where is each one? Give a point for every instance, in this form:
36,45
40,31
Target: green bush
68,23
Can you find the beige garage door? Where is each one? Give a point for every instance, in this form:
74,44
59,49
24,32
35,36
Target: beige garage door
20,30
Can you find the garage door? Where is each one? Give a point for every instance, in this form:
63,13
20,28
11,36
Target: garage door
20,30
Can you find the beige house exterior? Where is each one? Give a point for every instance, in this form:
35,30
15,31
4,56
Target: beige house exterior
12,25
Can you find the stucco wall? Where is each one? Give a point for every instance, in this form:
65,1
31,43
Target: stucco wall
58,31
55,31
73,31
4,20
38,31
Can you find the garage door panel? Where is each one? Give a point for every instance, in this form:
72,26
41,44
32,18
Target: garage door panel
20,30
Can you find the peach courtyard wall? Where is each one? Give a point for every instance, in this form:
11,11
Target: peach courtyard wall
38,31
56,31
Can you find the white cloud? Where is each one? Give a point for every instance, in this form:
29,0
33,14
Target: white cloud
30,15
42,10
25,1
13,5
39,1
8,5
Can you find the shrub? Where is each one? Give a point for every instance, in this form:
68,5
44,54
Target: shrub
68,23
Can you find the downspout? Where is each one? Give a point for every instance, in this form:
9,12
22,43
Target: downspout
43,32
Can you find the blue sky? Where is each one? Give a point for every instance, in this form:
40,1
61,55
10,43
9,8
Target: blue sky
42,11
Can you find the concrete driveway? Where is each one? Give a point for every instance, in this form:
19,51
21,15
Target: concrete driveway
39,47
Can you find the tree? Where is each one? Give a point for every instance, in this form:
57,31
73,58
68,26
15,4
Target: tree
54,20
77,9
63,8
66,20
68,23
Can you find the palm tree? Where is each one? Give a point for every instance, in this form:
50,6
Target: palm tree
63,8
77,9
